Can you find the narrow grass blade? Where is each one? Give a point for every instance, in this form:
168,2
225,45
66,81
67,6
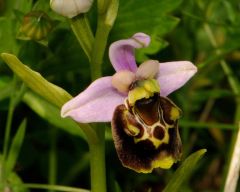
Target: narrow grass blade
184,171
15,147
233,172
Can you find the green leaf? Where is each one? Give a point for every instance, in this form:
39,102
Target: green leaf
117,187
230,11
9,24
6,87
51,114
6,92
149,17
21,5
36,82
7,34
15,182
15,147
157,43
184,171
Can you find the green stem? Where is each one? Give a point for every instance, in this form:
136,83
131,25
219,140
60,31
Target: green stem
227,70
102,6
97,162
231,79
99,48
107,12
8,128
97,148
202,125
50,187
89,132
53,157
83,32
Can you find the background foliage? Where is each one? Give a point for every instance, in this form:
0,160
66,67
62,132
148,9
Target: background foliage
55,151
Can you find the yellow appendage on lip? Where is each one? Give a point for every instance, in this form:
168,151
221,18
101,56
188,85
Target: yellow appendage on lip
174,113
151,85
165,163
137,94
144,89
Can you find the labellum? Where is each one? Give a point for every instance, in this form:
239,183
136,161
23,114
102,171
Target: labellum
36,25
145,128
145,124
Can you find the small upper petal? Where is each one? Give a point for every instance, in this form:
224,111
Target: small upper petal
148,69
173,75
122,80
95,104
121,53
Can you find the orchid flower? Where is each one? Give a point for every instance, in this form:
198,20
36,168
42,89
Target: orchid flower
144,120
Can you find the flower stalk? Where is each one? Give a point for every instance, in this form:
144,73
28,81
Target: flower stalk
102,6
98,50
52,173
97,147
106,19
97,161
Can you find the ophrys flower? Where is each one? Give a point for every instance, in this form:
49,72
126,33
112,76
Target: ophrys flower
144,120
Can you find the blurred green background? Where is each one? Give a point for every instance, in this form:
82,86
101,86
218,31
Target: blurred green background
54,151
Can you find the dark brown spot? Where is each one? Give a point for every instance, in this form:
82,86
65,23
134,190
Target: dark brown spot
139,156
159,132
